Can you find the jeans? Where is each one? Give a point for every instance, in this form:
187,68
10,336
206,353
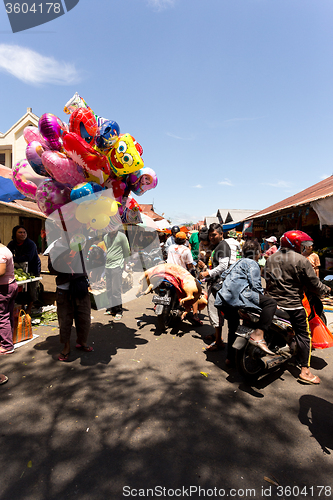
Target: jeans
113,278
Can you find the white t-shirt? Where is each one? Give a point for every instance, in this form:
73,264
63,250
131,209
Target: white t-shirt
180,255
234,246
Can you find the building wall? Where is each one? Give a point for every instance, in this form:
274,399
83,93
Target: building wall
8,220
12,143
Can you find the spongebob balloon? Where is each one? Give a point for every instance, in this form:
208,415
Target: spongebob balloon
124,157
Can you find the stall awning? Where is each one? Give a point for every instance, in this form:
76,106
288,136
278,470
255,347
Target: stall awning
324,210
8,191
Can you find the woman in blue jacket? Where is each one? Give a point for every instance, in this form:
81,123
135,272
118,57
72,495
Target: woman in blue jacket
25,250
242,289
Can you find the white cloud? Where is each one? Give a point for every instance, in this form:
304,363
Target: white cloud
34,68
226,182
325,176
161,4
278,184
179,137
198,186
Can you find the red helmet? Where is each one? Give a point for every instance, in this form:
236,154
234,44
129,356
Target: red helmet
295,239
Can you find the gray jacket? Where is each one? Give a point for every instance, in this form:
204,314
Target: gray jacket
288,274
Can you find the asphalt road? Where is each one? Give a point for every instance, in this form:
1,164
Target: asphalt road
152,411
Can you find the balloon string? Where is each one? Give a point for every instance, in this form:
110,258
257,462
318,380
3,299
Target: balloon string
62,220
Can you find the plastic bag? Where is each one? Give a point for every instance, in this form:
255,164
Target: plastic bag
23,329
322,338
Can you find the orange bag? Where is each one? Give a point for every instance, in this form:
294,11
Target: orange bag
322,338
23,329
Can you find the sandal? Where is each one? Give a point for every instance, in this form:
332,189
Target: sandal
85,348
314,380
3,379
215,347
197,321
262,345
63,356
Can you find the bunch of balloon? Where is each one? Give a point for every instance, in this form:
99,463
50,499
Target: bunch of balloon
87,166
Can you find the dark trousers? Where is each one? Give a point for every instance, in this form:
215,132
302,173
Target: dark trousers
113,278
69,309
300,324
8,294
268,308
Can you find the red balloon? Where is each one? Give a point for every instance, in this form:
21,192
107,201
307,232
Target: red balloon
83,123
92,162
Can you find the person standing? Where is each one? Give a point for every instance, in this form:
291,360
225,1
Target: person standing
272,246
25,250
72,296
117,250
307,251
218,263
180,254
194,242
234,245
171,240
8,293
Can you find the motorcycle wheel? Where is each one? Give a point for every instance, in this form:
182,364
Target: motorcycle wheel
167,320
162,319
249,367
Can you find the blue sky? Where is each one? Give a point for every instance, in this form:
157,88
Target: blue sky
230,99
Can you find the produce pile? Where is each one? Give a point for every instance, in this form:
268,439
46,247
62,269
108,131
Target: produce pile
20,275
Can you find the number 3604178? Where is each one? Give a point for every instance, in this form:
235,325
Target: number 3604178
23,8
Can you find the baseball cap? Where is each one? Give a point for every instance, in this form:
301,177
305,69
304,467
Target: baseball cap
181,236
271,239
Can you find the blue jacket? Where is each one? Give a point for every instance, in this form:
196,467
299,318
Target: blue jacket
241,286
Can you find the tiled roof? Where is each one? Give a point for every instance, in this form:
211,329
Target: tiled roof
322,189
149,210
25,206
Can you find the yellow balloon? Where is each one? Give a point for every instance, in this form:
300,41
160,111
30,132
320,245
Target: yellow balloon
100,221
108,206
82,212
94,209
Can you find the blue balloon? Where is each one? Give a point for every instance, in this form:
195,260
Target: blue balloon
84,189
107,135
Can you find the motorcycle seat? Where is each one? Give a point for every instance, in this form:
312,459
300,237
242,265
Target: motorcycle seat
280,313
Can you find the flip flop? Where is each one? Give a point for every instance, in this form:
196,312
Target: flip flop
63,357
309,381
3,379
85,348
262,345
197,321
215,347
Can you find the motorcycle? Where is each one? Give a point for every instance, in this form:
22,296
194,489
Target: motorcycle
167,306
251,361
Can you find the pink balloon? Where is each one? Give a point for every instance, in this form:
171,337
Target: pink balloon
63,169
142,180
25,179
31,133
51,195
51,128
34,153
